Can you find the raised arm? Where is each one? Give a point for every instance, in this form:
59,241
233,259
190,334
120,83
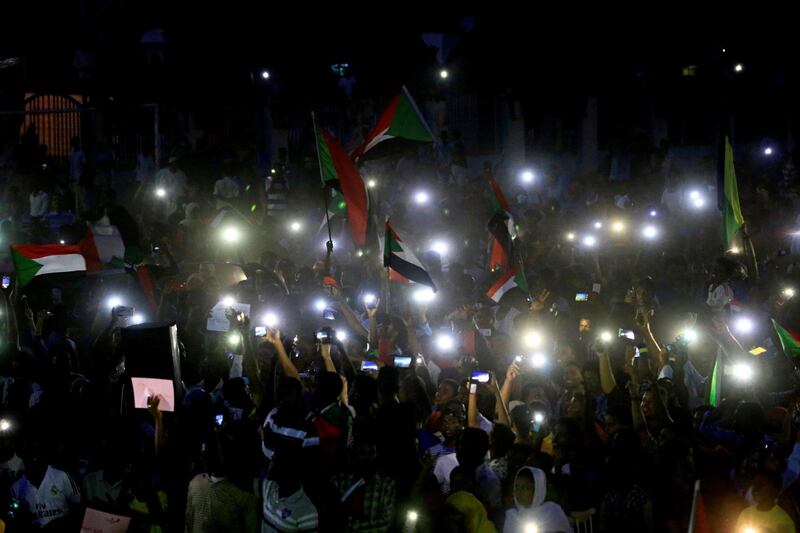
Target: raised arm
274,338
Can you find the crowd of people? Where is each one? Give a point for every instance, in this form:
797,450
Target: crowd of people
332,399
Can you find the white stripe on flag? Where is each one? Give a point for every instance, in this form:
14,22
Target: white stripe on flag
53,264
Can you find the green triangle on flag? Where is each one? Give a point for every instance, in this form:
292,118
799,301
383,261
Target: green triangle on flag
732,217
790,345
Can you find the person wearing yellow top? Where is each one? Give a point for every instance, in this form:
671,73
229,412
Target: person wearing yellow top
765,515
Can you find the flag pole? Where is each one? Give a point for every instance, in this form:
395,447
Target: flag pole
329,244
387,294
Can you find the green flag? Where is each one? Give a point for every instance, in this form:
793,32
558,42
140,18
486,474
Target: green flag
789,344
732,218
715,392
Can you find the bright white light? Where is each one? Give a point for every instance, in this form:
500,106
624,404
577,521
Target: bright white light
114,301
650,232
689,334
445,343
412,516
272,171
234,339
527,176
606,336
360,253
341,336
295,226
538,418
570,236
598,225
530,527
589,241
653,213
5,425
694,195
161,192
231,234
228,301
742,371
264,74
744,325
137,319
440,247
768,150
424,295
749,529
443,74
698,203
371,184
788,292
735,250
421,197
532,339
320,305
270,320
617,227
738,67
62,241
538,360
370,299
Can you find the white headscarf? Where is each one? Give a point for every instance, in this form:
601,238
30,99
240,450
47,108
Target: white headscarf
547,516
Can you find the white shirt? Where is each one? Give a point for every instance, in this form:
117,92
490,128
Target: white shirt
444,466
294,513
39,204
53,499
77,164
225,189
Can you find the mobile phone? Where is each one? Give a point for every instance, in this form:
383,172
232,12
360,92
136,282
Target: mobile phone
122,311
627,333
219,420
636,352
486,332
758,350
402,361
369,366
327,314
261,331
596,288
538,421
480,377
6,281
323,336
581,296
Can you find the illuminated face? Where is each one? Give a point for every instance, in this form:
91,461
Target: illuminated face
584,325
444,393
524,489
648,404
451,426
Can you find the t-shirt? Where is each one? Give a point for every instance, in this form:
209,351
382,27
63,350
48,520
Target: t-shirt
776,519
51,500
294,513
98,490
444,466
77,164
39,203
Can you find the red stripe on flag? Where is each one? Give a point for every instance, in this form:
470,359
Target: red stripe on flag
501,199
35,251
383,124
499,256
146,283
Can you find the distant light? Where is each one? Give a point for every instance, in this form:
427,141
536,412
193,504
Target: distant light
538,360
538,418
320,305
589,241
5,425
527,176
735,250
689,334
788,292
532,339
653,213
618,227
137,319
114,301
372,184
744,325
768,150
443,74
742,371
234,339
445,343
228,301
62,241
724,50
738,67
570,236
295,226
360,253
421,197
606,336
341,336
440,247
265,74
413,516
231,234
272,171
650,232
424,295
270,320
598,225
161,192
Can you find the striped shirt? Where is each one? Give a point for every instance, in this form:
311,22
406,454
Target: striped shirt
286,439
292,514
